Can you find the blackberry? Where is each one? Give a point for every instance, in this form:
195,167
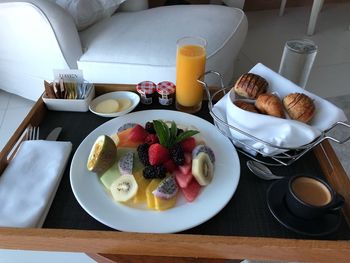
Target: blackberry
142,151
154,172
150,128
177,154
179,131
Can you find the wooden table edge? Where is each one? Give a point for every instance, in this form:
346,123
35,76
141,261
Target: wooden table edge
181,246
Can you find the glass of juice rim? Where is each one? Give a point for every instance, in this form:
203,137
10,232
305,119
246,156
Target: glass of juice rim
192,40
190,66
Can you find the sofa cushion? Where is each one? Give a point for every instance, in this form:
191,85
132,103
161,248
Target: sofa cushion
132,47
87,12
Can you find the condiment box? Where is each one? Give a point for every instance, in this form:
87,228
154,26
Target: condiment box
81,105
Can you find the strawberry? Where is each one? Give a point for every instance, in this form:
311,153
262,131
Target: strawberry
157,154
138,134
151,139
183,179
188,144
191,191
170,166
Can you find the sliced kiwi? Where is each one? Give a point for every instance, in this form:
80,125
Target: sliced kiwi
202,168
103,154
124,188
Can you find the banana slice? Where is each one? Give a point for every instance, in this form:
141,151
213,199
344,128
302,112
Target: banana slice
202,169
124,188
124,104
107,106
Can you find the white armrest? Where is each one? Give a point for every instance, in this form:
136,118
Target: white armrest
37,36
133,5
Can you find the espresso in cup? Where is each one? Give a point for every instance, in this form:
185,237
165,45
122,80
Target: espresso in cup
311,191
309,197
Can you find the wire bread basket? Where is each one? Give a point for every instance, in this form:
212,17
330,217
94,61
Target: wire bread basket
288,155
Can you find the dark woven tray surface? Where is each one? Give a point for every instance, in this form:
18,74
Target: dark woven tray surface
246,214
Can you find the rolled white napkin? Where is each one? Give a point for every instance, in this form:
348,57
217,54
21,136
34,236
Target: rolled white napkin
279,132
30,181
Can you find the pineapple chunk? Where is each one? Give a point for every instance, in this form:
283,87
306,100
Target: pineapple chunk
149,195
163,204
143,183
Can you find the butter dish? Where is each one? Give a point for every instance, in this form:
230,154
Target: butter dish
117,95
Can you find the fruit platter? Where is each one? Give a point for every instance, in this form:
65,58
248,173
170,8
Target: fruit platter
158,171
152,164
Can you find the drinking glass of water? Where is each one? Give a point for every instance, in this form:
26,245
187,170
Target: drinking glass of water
297,60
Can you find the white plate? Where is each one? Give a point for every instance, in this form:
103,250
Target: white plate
134,98
96,201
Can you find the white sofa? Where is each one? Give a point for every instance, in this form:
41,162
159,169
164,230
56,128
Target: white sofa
38,36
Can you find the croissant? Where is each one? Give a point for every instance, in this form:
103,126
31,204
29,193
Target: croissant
250,86
246,106
270,104
299,106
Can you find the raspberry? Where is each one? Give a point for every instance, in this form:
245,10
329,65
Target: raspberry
151,139
154,172
142,151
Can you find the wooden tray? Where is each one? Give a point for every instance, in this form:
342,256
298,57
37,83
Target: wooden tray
125,247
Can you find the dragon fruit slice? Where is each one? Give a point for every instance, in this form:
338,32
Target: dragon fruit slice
203,148
126,163
166,188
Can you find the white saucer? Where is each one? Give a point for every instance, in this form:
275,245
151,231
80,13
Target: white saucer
133,97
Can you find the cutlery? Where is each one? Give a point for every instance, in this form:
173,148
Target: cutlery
261,171
33,133
53,135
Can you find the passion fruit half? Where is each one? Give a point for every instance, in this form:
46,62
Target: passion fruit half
103,154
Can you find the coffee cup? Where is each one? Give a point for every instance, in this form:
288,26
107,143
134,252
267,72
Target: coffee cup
310,197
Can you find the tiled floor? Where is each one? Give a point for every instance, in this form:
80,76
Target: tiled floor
265,40
13,109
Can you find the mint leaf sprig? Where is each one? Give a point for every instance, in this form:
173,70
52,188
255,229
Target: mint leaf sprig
168,136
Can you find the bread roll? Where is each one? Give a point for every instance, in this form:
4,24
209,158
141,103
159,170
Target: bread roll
250,86
299,106
246,106
270,104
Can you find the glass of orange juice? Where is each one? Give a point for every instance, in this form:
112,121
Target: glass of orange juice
190,66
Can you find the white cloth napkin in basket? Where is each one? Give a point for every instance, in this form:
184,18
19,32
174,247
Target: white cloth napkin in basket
279,132
29,183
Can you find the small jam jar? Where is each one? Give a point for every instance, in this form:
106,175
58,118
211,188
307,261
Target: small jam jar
146,89
166,92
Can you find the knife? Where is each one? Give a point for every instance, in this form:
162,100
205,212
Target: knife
53,135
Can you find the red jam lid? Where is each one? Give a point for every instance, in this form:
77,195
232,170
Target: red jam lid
166,88
146,87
